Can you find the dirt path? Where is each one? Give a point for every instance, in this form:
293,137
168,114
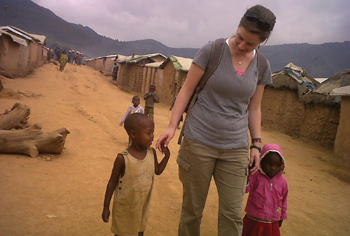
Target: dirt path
71,186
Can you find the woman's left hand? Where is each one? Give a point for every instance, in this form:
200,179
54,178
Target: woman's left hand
254,160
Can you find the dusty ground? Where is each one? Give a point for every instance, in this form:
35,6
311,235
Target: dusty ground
70,187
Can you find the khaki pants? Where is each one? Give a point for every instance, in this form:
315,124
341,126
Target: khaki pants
197,164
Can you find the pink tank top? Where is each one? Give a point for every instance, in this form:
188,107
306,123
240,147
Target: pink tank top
240,72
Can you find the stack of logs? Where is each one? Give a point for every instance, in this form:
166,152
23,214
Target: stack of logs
17,137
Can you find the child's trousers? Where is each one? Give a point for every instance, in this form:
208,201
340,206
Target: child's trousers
197,164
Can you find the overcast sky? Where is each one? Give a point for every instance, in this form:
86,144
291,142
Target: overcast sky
191,23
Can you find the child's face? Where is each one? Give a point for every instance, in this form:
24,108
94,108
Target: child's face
145,133
152,89
271,164
136,101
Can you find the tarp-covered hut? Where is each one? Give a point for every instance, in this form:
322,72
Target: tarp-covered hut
290,105
30,50
130,73
175,71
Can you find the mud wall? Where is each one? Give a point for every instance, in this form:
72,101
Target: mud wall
282,111
342,141
9,52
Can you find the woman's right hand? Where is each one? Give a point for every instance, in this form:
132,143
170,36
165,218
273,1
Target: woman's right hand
165,139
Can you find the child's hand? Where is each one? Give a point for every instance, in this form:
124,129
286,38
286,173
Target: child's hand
105,215
165,150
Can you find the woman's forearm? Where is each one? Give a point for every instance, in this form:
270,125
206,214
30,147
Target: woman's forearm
254,118
255,123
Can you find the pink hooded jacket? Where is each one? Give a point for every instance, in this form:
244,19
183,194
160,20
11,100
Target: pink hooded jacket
268,196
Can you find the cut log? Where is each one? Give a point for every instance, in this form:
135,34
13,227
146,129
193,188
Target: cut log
15,118
32,141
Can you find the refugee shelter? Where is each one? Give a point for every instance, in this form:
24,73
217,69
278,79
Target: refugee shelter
130,73
175,71
294,105
23,57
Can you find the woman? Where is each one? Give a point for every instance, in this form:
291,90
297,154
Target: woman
215,139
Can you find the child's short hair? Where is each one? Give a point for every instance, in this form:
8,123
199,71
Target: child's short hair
133,120
152,86
135,97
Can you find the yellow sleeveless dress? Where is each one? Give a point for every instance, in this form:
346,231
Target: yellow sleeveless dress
132,195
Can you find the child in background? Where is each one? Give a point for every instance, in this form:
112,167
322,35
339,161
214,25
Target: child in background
150,98
134,108
267,202
132,178
115,71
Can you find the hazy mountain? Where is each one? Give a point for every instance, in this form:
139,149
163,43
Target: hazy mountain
319,60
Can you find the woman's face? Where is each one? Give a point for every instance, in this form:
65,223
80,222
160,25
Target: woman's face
245,41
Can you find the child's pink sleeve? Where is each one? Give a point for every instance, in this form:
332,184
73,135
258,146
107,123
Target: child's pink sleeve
284,202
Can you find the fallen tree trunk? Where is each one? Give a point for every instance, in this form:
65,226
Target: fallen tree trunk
32,141
15,118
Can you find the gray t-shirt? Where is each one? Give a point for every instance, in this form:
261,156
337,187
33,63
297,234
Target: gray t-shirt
219,118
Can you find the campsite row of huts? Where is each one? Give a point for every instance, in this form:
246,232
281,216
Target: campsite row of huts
20,52
136,73
296,103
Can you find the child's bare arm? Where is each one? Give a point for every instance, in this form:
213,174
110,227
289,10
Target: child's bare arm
159,168
112,183
146,96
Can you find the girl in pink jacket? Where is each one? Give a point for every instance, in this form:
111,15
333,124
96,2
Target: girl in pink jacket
267,202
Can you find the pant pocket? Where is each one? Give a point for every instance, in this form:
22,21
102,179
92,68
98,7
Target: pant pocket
184,169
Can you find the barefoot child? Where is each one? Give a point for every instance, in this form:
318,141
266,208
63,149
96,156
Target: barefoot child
131,180
134,108
267,202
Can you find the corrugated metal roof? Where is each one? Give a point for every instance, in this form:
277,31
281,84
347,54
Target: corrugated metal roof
14,38
14,30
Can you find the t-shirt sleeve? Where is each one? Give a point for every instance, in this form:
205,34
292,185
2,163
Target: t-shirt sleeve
202,57
266,78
